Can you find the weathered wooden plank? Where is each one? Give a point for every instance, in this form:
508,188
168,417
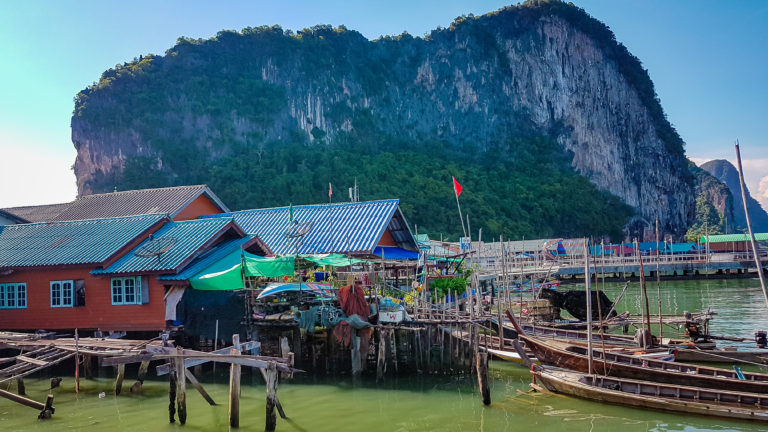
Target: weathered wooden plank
249,361
164,369
196,384
181,390
136,358
22,400
234,385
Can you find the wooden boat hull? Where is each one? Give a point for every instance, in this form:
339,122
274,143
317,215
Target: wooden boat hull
579,337
565,355
644,394
628,366
721,356
509,356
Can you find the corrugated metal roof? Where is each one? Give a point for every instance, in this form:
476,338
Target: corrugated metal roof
207,259
170,200
185,239
38,213
727,238
342,227
74,242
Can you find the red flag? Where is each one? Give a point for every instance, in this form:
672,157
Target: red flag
330,190
456,186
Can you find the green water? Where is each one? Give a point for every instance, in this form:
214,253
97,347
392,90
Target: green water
418,403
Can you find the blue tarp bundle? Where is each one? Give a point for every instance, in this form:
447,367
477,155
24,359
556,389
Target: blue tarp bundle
395,253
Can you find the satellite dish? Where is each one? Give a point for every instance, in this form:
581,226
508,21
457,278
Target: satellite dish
155,247
299,229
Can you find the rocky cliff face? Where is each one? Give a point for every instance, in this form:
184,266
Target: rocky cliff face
541,68
714,192
726,173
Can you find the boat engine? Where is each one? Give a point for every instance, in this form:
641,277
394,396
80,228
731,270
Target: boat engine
761,338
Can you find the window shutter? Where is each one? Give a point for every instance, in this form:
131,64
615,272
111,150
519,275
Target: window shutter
144,289
79,292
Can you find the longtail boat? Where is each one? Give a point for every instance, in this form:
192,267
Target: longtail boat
616,364
645,394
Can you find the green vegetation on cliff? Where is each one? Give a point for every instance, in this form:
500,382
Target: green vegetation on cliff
236,111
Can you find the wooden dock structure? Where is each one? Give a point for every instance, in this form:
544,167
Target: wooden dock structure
38,352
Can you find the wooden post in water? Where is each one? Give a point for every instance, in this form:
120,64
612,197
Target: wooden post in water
234,386
482,377
658,283
587,278
136,387
48,410
393,342
357,363
181,388
21,389
172,391
270,376
119,379
381,366
77,362
644,291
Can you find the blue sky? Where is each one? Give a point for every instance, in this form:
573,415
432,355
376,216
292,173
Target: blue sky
708,59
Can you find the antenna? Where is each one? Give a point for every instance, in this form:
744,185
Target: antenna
297,231
155,247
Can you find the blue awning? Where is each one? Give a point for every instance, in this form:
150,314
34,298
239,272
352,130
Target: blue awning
395,253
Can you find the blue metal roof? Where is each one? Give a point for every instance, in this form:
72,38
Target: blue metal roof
189,237
209,258
89,241
342,227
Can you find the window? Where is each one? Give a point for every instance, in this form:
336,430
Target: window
126,290
13,296
62,293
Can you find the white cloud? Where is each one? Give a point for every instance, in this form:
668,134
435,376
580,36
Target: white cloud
762,192
31,174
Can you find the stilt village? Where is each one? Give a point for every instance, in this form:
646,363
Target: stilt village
156,283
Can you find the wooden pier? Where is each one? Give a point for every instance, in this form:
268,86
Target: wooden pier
38,352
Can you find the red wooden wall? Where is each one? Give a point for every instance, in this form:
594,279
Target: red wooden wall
98,312
200,206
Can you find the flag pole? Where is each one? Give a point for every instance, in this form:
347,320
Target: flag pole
461,218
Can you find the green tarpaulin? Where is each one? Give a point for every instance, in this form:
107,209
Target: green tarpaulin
227,273
335,260
256,266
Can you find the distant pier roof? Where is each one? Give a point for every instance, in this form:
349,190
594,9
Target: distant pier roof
727,238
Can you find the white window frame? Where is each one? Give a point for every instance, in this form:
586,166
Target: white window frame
19,290
121,296
65,296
